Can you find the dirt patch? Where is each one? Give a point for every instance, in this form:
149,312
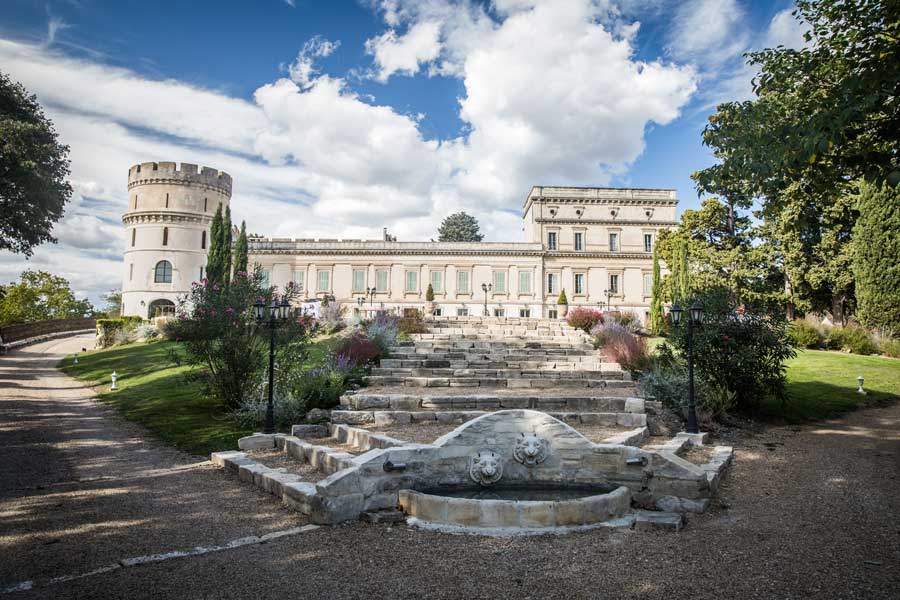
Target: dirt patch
276,459
416,433
699,455
599,433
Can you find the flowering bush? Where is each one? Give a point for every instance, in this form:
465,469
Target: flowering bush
383,330
628,320
359,350
738,350
584,318
219,332
619,345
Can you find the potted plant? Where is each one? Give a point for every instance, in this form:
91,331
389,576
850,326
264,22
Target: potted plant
563,303
429,300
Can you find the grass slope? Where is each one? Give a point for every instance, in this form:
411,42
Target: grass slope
821,384
155,393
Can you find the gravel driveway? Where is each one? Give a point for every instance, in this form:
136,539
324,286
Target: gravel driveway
811,512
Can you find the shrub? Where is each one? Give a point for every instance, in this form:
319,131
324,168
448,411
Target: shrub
619,345
331,317
739,350
359,349
889,347
850,339
168,330
220,333
146,332
383,330
120,330
562,300
666,380
429,294
628,320
584,318
804,334
322,387
411,322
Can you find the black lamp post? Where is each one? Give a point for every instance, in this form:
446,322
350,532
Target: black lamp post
486,287
370,292
695,317
359,304
609,294
278,313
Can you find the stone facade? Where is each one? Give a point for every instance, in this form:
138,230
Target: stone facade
586,241
594,243
170,209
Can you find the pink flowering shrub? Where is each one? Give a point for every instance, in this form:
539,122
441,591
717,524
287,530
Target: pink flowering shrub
584,318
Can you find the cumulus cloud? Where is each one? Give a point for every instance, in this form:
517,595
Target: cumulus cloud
420,45
708,31
552,96
785,30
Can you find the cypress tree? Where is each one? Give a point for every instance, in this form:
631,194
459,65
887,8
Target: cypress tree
681,276
214,259
657,318
876,257
226,247
240,250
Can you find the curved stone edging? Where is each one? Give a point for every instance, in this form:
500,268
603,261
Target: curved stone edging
4,348
516,514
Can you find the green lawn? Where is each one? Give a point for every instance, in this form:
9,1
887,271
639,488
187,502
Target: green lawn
821,384
155,393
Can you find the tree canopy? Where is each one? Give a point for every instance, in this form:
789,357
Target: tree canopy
40,296
825,117
33,171
459,227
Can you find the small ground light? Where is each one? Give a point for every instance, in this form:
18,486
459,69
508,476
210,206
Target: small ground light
113,377
76,358
860,381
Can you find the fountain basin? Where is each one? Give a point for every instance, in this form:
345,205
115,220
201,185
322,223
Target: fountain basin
502,509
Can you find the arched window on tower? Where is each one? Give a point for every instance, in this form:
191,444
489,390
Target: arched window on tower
165,236
133,235
163,272
203,240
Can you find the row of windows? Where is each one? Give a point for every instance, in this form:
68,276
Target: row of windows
165,237
163,274
205,203
578,242
411,281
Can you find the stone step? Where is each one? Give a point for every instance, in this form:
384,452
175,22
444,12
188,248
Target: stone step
366,400
388,418
497,382
503,373
492,353
611,368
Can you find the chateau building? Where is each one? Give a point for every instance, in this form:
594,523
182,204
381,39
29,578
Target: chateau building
594,243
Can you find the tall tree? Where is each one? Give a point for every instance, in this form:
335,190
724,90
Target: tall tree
657,316
876,257
33,171
39,296
675,251
214,262
112,304
241,250
226,247
459,227
825,116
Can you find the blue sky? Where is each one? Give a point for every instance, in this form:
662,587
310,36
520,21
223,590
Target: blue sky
337,118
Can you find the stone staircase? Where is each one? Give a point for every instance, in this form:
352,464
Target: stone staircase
485,363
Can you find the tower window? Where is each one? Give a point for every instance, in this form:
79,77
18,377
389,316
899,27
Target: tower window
130,271
135,201
167,201
203,239
165,236
163,272
133,235
205,204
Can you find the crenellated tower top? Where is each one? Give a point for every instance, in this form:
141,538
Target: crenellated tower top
175,174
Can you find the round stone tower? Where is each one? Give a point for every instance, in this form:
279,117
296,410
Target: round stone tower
170,209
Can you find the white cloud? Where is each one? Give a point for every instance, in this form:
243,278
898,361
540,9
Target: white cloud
551,97
403,54
709,32
785,30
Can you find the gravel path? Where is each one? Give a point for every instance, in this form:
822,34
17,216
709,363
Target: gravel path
80,487
810,512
